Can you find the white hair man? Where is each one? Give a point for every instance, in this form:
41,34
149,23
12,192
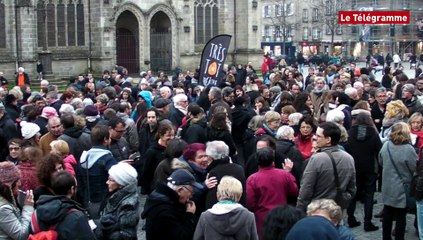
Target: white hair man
221,165
179,110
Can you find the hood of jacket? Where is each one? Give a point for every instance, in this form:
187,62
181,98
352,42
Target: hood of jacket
53,209
90,157
163,195
200,120
128,192
227,219
74,132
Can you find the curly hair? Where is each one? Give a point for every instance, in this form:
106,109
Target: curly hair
396,109
46,167
279,221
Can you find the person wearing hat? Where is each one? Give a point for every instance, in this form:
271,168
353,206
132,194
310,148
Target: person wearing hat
11,106
14,223
92,116
30,133
162,105
119,215
168,211
42,120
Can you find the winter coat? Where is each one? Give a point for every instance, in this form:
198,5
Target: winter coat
286,149
404,157
267,189
77,139
176,116
220,168
13,111
377,116
319,180
29,179
195,131
42,123
214,134
9,128
166,217
152,158
26,79
146,138
240,119
119,217
96,163
70,164
14,224
120,149
225,221
57,105
364,145
313,228
131,134
72,223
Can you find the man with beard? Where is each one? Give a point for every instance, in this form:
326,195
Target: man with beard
148,130
378,110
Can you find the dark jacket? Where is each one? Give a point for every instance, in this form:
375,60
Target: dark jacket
214,134
96,163
77,139
152,158
364,145
26,79
195,131
377,116
176,116
240,119
146,138
166,217
13,111
220,168
42,123
119,215
57,105
120,149
9,128
72,225
287,149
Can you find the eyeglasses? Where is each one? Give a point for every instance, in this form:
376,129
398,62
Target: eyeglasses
14,148
189,190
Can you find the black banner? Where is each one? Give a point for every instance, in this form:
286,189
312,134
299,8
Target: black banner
212,59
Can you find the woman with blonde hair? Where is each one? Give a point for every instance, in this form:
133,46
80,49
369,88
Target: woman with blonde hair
415,122
243,226
272,121
395,112
398,159
61,148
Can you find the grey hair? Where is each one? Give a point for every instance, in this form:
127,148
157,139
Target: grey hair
295,118
179,97
380,90
284,132
329,206
350,91
256,122
216,92
335,115
217,150
44,82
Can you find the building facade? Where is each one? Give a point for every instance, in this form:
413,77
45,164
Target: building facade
76,36
313,29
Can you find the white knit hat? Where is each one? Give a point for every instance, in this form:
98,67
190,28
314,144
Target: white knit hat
123,174
29,129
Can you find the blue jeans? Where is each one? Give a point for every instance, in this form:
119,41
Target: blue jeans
420,218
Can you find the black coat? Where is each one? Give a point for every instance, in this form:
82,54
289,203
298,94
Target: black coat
214,134
220,168
152,158
195,131
13,111
287,149
176,116
147,138
166,217
377,116
72,224
240,119
42,123
9,128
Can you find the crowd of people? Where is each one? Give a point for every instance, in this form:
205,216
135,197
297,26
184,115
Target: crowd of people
277,156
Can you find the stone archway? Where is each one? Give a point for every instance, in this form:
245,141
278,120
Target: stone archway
160,42
128,42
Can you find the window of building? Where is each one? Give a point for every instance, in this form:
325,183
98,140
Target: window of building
339,30
278,10
354,29
267,11
315,15
278,31
206,20
406,29
327,30
328,8
305,15
289,9
305,33
315,33
64,24
406,4
353,4
267,31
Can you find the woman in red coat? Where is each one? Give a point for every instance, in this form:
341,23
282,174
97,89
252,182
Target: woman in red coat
269,187
304,140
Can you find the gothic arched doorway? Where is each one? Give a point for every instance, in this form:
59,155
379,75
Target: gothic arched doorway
127,42
160,42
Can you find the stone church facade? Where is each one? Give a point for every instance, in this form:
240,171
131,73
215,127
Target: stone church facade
74,36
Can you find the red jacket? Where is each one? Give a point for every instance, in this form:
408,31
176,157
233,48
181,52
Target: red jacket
29,179
304,144
267,189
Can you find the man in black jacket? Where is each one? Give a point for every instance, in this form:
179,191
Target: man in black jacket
60,211
168,211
